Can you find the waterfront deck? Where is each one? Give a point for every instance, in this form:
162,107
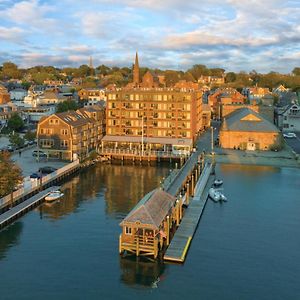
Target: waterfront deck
17,211
180,243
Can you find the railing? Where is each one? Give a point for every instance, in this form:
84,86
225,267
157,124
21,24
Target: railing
32,185
135,152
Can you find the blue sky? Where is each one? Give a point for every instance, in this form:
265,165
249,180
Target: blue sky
238,35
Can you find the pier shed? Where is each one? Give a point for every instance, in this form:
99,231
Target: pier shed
146,229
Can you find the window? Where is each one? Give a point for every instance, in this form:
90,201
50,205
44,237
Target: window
128,230
46,143
64,131
53,121
64,143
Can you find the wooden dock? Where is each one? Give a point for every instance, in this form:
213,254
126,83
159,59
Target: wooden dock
20,209
180,243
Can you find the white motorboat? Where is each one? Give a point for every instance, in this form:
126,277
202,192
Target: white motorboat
214,195
218,182
54,195
223,197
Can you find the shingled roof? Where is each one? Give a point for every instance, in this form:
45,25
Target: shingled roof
152,209
245,119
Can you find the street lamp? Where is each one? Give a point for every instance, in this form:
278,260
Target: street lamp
142,135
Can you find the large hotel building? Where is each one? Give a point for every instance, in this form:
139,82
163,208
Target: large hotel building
145,116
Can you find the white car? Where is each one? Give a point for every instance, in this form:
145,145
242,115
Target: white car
289,135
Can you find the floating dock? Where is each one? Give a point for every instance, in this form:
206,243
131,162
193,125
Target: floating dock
180,243
20,209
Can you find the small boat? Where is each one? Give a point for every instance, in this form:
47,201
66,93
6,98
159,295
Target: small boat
214,195
223,197
54,195
218,182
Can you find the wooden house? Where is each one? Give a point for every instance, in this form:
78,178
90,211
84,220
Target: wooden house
146,229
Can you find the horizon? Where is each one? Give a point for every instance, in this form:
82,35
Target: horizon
171,35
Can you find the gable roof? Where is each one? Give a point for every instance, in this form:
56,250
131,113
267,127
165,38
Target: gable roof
152,209
245,119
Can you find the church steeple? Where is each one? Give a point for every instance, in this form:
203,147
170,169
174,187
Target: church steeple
136,71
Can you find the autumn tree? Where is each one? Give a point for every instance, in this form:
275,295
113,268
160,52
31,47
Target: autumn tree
10,174
10,70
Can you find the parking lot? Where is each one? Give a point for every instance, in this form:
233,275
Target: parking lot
30,164
294,143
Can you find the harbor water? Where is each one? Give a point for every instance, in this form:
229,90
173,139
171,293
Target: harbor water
246,248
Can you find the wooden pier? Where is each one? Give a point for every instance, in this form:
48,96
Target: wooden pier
19,210
187,182
180,243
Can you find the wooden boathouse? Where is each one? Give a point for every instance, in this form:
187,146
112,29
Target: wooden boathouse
146,229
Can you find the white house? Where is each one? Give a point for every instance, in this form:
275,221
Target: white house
288,118
18,94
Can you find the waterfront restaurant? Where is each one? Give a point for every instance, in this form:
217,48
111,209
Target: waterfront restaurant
146,229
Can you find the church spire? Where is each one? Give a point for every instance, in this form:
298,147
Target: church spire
136,71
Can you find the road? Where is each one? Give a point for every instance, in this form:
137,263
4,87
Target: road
294,143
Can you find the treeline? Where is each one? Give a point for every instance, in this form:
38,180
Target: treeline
104,75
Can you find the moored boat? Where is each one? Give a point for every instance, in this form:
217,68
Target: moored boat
214,195
54,195
218,182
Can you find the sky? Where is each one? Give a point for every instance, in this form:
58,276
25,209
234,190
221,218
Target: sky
237,35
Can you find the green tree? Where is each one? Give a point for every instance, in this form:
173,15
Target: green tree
10,175
66,105
16,140
230,77
15,122
296,71
30,136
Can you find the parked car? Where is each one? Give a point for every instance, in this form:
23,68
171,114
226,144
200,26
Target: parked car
290,135
39,153
35,176
11,148
47,170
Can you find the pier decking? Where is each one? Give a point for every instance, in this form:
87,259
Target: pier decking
23,207
180,243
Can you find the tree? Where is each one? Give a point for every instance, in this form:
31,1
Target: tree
230,77
66,105
16,140
10,70
171,77
10,174
198,70
15,122
296,71
30,136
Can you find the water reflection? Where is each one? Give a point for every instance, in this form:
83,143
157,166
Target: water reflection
141,272
248,169
9,237
121,185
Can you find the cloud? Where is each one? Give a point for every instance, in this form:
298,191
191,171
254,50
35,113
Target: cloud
13,34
